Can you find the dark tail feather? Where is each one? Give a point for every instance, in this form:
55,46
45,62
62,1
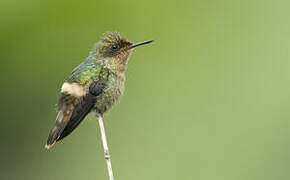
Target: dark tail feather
69,128
60,124
79,113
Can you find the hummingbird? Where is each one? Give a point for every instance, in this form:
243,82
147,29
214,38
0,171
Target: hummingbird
93,86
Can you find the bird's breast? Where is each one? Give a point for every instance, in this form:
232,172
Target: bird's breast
111,93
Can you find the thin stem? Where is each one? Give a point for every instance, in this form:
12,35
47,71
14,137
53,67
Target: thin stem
106,149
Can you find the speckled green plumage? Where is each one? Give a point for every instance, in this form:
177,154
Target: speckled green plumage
93,69
85,72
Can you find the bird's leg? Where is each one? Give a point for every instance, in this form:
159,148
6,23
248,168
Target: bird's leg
106,149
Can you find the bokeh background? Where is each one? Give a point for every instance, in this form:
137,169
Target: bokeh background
208,100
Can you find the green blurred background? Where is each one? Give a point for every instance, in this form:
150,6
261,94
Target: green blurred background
209,100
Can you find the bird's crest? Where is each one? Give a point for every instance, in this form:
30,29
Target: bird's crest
113,37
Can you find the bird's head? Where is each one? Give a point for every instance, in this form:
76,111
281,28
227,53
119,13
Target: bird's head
115,48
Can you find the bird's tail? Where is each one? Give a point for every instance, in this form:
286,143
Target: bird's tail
60,124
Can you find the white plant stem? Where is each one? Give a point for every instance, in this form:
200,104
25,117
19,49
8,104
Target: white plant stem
106,149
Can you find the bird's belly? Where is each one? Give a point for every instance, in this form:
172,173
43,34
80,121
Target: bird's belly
110,96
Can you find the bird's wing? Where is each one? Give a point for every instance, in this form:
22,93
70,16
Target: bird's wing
73,108
83,108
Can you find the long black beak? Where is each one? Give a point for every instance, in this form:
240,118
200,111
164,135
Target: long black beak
139,44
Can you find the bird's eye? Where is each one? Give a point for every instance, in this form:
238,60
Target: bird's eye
114,47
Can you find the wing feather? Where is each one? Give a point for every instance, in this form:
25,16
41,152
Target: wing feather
72,110
80,112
